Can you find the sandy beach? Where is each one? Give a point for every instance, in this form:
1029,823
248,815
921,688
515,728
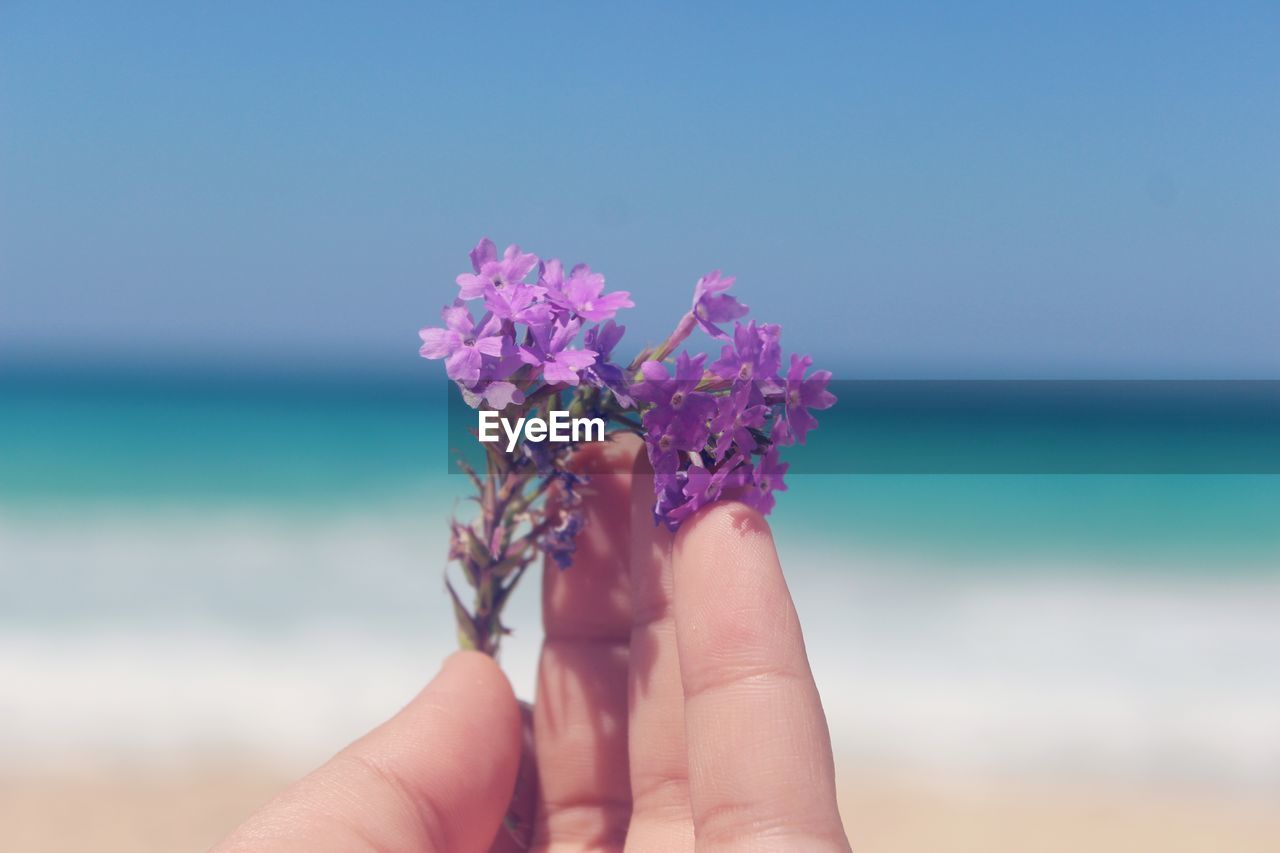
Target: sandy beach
113,810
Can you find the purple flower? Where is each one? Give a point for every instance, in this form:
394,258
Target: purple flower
677,418
604,338
560,540
800,395
702,487
549,351
665,391
583,292
604,373
519,303
756,354
668,433
712,305
766,478
668,494
482,252
462,343
735,418
494,274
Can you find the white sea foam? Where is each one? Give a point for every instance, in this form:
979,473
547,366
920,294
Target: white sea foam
157,636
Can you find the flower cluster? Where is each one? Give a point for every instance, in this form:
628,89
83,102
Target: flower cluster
711,430
527,330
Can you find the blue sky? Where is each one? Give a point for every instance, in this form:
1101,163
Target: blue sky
935,189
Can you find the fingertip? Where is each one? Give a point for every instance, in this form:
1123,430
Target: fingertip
719,526
479,668
483,686
732,605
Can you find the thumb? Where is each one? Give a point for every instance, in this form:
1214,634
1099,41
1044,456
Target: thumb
436,777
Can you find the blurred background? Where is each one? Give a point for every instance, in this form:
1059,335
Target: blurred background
222,497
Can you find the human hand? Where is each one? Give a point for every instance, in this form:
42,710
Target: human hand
675,711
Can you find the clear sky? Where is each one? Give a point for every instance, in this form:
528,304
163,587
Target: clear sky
911,189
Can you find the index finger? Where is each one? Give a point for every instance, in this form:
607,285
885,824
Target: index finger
760,762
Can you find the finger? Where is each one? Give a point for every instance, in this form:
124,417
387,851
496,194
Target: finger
580,717
661,817
759,754
435,777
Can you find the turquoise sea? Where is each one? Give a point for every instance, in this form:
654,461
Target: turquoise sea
222,556
306,445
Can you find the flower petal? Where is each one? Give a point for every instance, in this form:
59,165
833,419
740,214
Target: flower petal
576,358
463,365
554,371
490,346
564,335
483,252
654,371
471,286
458,317
437,343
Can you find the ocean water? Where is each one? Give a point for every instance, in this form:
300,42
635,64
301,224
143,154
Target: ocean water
214,563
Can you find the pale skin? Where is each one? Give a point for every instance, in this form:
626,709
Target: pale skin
675,711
